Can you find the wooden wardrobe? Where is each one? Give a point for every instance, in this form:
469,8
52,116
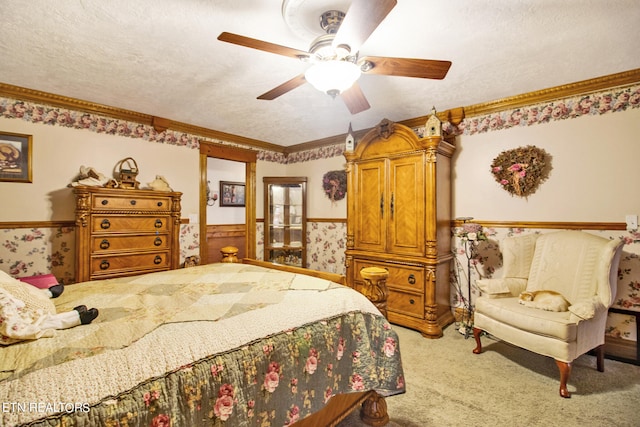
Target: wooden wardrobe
399,218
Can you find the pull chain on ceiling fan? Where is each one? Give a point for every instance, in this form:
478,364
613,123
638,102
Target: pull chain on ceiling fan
336,66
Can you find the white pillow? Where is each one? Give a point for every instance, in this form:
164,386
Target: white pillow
506,287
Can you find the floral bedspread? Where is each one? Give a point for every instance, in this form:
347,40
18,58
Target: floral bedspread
215,345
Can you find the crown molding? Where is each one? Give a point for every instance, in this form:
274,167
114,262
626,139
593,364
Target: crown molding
558,92
324,142
25,94
159,123
454,115
584,87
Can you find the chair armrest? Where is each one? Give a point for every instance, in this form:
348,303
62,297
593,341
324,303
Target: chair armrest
505,287
587,309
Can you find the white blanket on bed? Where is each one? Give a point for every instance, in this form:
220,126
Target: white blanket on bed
213,322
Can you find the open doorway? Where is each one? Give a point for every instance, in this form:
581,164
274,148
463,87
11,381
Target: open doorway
211,238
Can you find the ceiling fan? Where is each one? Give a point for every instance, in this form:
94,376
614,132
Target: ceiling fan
336,65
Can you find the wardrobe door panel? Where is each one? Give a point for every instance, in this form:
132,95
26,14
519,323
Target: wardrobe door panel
372,207
406,219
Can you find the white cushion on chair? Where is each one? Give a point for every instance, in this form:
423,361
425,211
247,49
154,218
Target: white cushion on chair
557,324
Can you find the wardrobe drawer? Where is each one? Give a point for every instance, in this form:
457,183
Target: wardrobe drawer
106,264
406,303
124,202
407,277
128,224
118,243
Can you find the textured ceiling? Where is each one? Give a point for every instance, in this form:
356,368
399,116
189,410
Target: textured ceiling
162,57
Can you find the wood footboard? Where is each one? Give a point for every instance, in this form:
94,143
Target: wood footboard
338,278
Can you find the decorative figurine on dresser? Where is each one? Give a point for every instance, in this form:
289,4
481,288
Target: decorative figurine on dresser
398,219
123,232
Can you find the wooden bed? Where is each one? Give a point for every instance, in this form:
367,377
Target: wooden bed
219,345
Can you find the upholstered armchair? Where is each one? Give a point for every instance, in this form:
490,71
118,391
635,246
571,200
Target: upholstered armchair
582,267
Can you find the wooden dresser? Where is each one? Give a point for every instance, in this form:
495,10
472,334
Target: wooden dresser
125,232
399,219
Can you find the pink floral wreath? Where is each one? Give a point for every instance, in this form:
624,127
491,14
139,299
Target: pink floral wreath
335,185
520,171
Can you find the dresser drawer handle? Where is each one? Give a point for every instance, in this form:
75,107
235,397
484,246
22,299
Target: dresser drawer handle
157,260
104,244
412,280
158,223
158,241
104,265
133,202
104,202
105,224
159,204
412,301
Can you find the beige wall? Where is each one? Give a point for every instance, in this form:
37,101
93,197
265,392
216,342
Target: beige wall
318,205
594,177
263,169
224,170
58,153
594,161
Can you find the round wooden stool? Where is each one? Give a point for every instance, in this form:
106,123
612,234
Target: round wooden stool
375,287
229,254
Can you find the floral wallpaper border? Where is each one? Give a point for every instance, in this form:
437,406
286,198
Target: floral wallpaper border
609,101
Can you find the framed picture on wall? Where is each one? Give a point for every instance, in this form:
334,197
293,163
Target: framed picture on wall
15,157
231,193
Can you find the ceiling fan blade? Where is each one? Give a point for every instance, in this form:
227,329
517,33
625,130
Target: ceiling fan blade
408,67
362,18
262,45
354,99
285,87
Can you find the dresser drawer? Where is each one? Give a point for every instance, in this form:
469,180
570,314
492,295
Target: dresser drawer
106,264
408,277
127,202
128,224
118,243
406,303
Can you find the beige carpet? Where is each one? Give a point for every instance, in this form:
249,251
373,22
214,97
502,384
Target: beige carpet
447,385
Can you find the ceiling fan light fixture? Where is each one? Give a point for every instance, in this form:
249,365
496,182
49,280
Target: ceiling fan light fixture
332,77
323,49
